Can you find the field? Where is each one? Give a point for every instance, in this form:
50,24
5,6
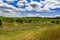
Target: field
29,28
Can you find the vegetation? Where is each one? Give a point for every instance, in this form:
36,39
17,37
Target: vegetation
29,28
0,22
56,22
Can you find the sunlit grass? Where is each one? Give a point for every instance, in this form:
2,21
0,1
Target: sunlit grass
45,33
39,29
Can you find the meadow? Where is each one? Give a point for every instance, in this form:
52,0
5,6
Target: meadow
29,28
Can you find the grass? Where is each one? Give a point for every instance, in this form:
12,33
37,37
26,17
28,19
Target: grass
39,29
45,33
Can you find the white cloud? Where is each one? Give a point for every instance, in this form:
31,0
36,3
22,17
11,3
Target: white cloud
37,6
11,0
9,10
29,8
33,5
21,3
51,4
32,15
57,15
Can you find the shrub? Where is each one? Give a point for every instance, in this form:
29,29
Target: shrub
29,21
14,25
57,22
52,21
19,20
26,21
0,22
11,20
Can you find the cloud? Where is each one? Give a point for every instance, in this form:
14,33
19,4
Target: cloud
9,10
30,6
11,0
32,15
35,5
51,4
21,3
40,6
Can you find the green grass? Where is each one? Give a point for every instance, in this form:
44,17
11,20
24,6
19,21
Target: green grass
30,29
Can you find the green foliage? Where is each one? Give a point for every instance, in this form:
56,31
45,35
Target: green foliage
11,20
55,21
52,21
29,21
19,20
14,25
0,22
25,20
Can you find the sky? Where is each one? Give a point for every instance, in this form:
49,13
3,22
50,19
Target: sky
30,8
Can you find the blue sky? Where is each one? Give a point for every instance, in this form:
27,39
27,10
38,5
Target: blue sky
30,8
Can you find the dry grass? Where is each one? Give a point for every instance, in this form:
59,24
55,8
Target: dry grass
46,33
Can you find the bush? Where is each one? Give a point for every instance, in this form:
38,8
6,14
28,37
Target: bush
20,21
0,22
26,21
29,21
57,22
14,25
17,20
53,21
11,20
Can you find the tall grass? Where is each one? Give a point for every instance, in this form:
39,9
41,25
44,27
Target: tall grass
30,28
